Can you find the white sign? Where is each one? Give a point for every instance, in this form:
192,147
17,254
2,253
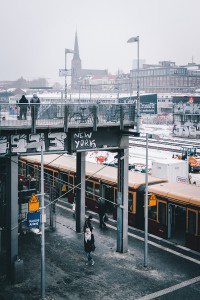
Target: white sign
64,72
182,179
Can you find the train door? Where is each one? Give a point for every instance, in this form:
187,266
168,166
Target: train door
192,229
71,192
63,183
131,208
109,196
176,223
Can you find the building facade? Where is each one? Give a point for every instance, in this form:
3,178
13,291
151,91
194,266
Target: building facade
166,77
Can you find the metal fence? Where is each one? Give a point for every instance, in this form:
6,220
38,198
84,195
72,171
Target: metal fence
66,115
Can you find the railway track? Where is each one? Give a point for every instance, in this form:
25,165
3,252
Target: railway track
164,144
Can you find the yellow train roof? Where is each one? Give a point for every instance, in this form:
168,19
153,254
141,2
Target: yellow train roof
66,163
179,192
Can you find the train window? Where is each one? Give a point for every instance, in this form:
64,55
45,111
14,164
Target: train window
64,181
89,189
109,195
22,168
36,172
115,195
153,212
48,177
55,178
199,224
130,202
192,217
31,170
162,212
97,191
71,181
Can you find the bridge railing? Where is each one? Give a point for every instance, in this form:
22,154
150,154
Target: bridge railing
66,115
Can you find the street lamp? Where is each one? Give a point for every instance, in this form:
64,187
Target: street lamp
66,71
133,40
43,216
146,208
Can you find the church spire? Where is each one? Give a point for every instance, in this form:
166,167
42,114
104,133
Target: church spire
76,48
75,65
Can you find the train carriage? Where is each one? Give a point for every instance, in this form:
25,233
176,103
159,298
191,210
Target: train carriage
174,208
101,181
176,213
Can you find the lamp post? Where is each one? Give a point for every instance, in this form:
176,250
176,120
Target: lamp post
133,40
146,208
66,71
43,217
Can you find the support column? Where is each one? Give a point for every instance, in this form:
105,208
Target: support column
12,220
122,201
80,191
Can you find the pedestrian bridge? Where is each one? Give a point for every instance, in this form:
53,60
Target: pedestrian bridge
64,127
61,128
68,116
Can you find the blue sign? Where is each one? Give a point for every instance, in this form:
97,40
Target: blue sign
33,219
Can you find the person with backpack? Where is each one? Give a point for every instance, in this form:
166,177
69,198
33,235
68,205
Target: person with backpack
88,224
34,104
89,245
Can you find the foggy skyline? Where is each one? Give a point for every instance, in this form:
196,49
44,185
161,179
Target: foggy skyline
35,33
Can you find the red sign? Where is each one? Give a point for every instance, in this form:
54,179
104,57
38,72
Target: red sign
191,99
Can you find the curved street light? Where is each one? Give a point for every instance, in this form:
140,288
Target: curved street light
133,40
66,73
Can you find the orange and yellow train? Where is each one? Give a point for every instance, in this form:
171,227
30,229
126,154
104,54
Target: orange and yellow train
174,208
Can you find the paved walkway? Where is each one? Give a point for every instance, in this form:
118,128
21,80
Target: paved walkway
171,273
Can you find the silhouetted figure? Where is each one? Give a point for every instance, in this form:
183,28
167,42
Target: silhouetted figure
20,185
23,106
88,223
35,104
101,212
89,245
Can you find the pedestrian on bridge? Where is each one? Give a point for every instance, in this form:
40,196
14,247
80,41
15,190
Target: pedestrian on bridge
23,106
35,104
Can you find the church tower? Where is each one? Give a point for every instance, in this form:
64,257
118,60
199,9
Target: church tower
75,65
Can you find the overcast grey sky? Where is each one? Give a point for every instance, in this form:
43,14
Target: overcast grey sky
35,33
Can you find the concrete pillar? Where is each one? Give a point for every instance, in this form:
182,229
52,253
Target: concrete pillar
80,191
122,201
12,220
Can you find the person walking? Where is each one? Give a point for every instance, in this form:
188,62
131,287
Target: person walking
74,208
101,212
23,106
35,104
88,223
89,245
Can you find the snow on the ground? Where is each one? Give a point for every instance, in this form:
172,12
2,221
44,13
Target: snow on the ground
160,130
137,155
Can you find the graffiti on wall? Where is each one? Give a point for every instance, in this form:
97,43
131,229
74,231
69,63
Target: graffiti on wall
21,143
187,130
84,140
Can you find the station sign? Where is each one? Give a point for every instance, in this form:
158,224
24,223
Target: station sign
152,200
64,72
33,204
33,219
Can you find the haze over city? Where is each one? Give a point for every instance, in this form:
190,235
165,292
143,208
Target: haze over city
34,34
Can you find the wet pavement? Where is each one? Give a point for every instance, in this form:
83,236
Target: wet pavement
172,273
